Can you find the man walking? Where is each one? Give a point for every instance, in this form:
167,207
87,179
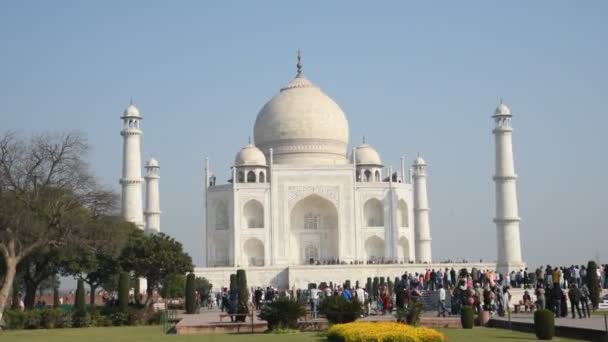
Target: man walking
314,301
441,310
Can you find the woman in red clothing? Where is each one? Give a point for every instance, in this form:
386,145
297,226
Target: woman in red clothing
385,299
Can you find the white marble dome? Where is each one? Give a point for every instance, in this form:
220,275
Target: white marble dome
250,156
152,163
367,155
502,109
419,161
303,126
131,110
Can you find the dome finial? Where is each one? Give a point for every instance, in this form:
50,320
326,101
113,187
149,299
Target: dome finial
299,65
131,101
364,139
249,140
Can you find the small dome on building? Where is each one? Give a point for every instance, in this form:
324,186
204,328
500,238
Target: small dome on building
419,161
502,109
131,110
152,163
250,156
366,155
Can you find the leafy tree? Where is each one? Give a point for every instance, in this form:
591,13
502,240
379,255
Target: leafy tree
191,303
282,313
123,291
173,286
203,286
47,197
79,302
98,264
154,257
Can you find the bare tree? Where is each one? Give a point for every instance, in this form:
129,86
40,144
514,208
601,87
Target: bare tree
48,197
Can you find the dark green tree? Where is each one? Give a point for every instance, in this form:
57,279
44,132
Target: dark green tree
191,302
368,287
232,281
79,304
123,291
241,281
154,257
173,286
593,284
203,286
97,264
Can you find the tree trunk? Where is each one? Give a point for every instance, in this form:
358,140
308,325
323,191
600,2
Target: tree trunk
15,299
9,277
92,296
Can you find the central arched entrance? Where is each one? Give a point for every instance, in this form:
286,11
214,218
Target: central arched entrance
313,231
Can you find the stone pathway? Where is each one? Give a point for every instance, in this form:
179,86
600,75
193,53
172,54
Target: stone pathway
595,322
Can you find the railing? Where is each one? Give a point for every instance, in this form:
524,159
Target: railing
168,319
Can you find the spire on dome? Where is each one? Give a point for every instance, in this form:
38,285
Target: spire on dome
249,140
364,139
299,65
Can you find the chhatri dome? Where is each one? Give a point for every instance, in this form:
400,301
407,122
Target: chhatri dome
302,125
250,156
367,155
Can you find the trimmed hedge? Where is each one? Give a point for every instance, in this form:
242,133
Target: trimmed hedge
190,294
123,290
79,304
544,324
467,317
593,283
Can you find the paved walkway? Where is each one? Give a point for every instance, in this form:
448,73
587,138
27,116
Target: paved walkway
595,322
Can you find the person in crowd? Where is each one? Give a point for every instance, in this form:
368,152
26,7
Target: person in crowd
314,302
585,300
346,294
527,301
441,310
556,297
574,295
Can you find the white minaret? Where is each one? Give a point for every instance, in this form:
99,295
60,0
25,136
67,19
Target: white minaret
507,217
152,212
131,167
421,212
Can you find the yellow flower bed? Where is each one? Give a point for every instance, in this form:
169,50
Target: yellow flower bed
382,332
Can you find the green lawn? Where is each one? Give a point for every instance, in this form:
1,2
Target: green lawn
136,334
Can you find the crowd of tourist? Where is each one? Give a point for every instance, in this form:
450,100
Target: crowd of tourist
553,288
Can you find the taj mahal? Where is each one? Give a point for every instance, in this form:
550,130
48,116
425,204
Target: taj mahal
300,206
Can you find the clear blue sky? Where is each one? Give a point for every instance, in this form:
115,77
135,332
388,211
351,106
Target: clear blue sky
411,76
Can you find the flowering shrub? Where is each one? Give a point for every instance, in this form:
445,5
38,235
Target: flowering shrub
382,332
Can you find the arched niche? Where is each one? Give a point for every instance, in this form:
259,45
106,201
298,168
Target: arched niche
313,230
253,214
374,248
373,213
253,252
403,249
402,217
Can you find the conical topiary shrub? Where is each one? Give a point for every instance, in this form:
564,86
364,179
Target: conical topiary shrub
593,284
241,281
123,291
79,301
544,324
467,317
190,294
